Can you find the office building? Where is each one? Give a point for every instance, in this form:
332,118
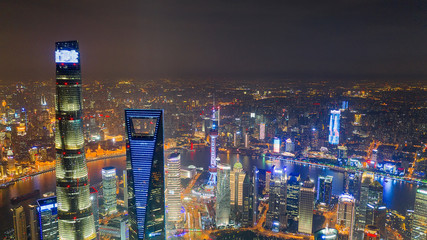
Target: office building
19,223
173,188
94,198
292,202
145,173
222,205
376,215
324,189
306,206
109,182
255,188
125,189
367,179
116,229
346,215
290,146
75,219
334,127
213,134
248,202
237,177
34,223
261,131
267,182
371,232
419,227
326,233
48,218
276,215
276,145
375,193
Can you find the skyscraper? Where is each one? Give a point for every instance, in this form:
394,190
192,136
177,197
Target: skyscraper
324,189
248,201
334,127
346,214
75,219
222,205
125,189
48,213
306,206
34,226
276,145
255,186
145,168
376,215
292,202
19,223
213,134
367,179
375,192
419,227
237,177
261,131
94,198
109,189
173,188
276,215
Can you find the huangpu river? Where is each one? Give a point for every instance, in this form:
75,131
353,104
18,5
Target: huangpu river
398,195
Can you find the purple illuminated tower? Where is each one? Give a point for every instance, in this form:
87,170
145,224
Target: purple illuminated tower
213,135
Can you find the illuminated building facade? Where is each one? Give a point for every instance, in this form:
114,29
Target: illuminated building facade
292,201
255,186
419,227
367,179
371,232
94,198
222,206
334,127
306,206
75,219
173,187
261,131
276,145
290,146
145,168
346,214
276,215
19,223
237,178
213,134
376,215
324,189
248,202
326,233
48,218
109,182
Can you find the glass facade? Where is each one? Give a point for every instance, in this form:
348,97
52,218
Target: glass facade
306,206
174,187
109,184
145,173
276,215
48,218
75,218
334,127
324,189
223,195
419,227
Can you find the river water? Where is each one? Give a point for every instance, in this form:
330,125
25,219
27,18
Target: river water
397,195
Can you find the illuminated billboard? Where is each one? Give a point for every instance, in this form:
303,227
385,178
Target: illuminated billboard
276,145
66,56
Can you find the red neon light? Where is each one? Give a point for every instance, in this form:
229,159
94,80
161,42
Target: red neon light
65,83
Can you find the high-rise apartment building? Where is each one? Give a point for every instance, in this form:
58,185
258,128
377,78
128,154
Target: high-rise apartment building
222,205
48,218
276,215
145,173
19,223
109,182
334,127
419,227
75,219
173,188
306,207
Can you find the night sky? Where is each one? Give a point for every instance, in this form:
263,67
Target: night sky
263,39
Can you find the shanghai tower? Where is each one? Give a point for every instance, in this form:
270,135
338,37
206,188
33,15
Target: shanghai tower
75,218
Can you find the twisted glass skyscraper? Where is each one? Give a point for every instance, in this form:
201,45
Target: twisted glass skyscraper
75,218
145,173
